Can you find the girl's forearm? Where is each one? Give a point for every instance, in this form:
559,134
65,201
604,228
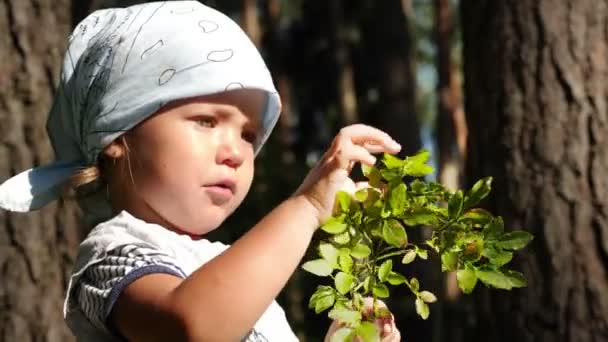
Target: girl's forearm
227,295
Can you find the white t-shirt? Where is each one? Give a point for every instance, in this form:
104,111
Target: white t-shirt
123,249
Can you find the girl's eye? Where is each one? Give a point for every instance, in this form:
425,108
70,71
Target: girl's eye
206,121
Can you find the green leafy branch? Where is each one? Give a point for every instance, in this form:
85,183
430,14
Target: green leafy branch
369,229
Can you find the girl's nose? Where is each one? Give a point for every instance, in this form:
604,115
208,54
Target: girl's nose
230,151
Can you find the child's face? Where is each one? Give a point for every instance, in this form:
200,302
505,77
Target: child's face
192,163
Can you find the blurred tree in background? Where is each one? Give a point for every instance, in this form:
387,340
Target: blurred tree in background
396,65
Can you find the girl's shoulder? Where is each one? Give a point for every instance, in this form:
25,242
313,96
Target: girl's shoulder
126,230
125,227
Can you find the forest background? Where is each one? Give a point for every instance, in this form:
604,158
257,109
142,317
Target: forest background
516,90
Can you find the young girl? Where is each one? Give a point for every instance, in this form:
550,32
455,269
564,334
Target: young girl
162,107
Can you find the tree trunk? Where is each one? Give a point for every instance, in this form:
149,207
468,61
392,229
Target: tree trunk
384,72
250,22
341,30
36,249
451,125
536,104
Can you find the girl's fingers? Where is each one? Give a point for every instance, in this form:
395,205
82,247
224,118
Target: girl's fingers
375,148
348,154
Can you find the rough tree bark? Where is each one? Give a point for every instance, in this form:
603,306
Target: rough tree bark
36,249
536,103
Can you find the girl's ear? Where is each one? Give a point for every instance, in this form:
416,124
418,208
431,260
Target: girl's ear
116,150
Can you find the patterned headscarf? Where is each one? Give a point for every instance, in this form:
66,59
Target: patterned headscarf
121,66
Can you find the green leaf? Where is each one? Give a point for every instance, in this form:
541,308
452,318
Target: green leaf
415,166
419,216
382,312
344,282
342,238
494,278
334,225
394,233
322,299
344,199
515,240
329,253
390,174
466,279
360,251
368,332
392,162
319,267
418,170
422,309
455,205
366,169
501,258
449,261
372,199
418,186
397,198
415,285
380,291
341,314
478,192
358,301
385,269
477,216
409,256
374,178
427,297
422,253
324,303
433,243
361,195
517,279
344,260
366,282
494,228
322,291
343,334
420,157
395,278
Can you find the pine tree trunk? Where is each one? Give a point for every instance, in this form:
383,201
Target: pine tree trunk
536,94
36,249
451,127
384,71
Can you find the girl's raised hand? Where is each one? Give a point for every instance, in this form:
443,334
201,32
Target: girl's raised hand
352,144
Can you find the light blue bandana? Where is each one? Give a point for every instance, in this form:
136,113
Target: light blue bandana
121,66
